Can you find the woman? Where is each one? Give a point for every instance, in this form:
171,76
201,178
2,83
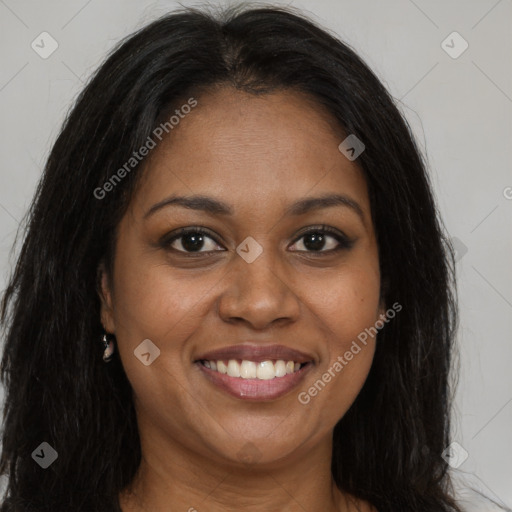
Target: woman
234,291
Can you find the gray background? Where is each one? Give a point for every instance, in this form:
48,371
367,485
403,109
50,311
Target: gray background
459,108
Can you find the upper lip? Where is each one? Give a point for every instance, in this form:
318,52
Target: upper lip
256,353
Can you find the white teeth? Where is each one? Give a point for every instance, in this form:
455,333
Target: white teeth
233,368
280,368
263,370
248,370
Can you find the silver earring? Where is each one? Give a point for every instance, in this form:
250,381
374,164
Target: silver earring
108,348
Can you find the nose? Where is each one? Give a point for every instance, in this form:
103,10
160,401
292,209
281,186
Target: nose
258,294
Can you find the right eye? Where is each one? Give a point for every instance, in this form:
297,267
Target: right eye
190,240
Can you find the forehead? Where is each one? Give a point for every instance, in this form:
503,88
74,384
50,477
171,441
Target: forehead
267,149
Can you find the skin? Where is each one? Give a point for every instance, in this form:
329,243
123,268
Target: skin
259,155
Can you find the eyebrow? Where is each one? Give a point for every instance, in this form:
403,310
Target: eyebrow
216,207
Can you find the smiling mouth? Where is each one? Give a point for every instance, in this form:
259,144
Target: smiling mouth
256,381
261,370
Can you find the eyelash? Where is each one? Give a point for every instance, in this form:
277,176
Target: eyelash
344,242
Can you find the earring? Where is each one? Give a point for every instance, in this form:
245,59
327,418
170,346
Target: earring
108,348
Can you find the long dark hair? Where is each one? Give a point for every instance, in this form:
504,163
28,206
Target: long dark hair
388,446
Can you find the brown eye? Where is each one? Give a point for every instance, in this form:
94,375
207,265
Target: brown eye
190,240
323,239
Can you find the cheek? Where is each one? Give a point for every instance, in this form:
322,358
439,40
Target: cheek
347,303
166,306
155,301
348,308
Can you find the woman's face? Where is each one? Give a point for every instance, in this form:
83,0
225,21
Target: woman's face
256,287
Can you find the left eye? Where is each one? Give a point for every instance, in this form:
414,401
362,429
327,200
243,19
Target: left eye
321,240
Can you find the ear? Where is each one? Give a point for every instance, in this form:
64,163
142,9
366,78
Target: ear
104,289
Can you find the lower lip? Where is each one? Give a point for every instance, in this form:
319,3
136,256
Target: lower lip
256,389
